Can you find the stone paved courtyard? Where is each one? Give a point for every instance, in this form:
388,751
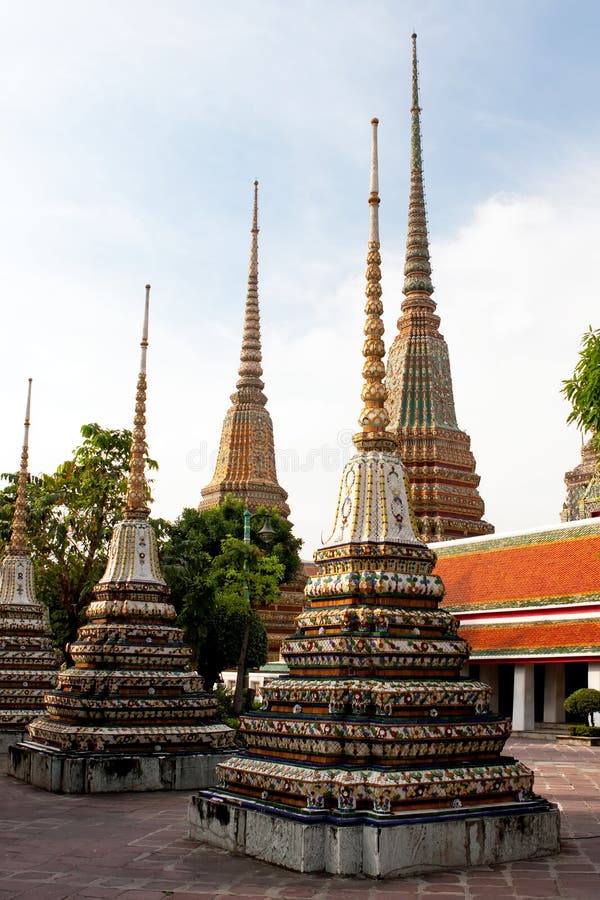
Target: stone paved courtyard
134,847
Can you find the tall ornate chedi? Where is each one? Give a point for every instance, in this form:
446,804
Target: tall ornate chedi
374,755
28,660
583,487
435,451
129,715
246,461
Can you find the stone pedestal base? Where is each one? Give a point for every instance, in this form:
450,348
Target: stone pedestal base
10,737
102,773
385,848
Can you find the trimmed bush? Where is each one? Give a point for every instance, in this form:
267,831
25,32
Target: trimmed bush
583,704
584,731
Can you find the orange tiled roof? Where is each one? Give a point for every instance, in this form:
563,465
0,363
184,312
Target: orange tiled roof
510,640
558,565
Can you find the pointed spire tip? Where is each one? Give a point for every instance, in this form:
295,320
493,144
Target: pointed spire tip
135,507
28,407
373,418
414,35
250,369
18,538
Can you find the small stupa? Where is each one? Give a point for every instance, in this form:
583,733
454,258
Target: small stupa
583,486
375,755
28,660
130,714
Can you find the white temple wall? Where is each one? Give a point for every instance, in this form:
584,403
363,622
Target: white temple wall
523,718
554,692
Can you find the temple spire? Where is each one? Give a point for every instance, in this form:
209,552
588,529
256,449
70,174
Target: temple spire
245,464
417,270
374,418
435,451
250,370
19,545
135,507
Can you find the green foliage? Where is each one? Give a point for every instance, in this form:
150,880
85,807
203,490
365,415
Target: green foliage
70,518
583,704
583,389
208,567
584,731
225,714
244,569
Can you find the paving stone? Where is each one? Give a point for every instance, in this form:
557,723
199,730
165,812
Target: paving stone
96,890
141,895
75,847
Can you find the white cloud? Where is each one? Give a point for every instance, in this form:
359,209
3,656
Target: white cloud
517,286
132,133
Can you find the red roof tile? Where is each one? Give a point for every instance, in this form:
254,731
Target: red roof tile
517,639
497,574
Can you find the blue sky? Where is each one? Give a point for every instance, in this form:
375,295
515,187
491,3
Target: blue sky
131,135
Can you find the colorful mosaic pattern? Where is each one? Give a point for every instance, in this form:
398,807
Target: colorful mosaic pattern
28,660
278,618
420,403
131,688
374,718
583,487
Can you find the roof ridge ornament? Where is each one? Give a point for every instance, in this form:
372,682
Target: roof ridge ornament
374,418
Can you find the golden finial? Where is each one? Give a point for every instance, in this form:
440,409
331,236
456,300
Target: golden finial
250,370
19,544
137,489
374,418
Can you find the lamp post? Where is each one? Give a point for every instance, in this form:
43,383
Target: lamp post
266,535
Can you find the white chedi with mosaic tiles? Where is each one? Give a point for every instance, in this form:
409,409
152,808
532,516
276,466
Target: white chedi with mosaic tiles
372,503
373,509
133,555
16,581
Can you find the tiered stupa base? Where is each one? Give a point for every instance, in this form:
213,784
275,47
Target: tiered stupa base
374,755
65,772
11,736
376,846
130,715
28,660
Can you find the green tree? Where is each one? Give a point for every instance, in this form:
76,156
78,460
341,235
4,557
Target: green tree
582,390
225,626
583,704
207,566
71,514
244,571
